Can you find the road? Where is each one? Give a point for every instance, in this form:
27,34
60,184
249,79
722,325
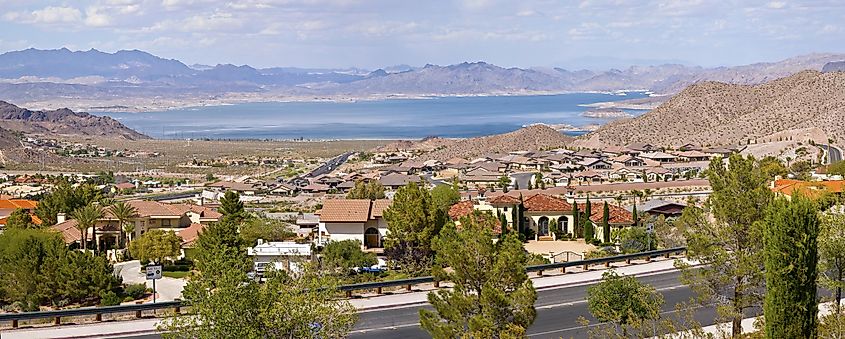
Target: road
329,166
558,310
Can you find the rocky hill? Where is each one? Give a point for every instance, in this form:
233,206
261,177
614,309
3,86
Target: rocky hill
534,137
62,122
713,113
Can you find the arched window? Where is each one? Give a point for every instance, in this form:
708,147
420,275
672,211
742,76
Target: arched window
563,224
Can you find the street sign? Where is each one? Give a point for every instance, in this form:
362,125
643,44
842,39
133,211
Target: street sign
153,272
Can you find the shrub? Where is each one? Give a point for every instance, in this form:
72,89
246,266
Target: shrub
135,291
176,268
128,299
109,298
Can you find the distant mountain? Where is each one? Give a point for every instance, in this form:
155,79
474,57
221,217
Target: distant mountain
142,81
837,66
62,121
715,113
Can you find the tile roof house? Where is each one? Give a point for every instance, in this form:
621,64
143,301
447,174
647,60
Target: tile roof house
149,215
811,189
396,180
7,206
356,219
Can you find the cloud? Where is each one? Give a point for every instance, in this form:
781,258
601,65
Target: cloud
526,13
95,18
47,15
776,4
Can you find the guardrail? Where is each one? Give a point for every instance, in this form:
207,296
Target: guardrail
98,312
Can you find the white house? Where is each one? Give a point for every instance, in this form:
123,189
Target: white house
356,219
282,255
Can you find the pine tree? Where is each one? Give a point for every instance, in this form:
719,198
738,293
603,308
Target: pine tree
791,240
413,221
19,219
232,207
605,224
504,222
520,218
832,255
576,218
589,233
492,296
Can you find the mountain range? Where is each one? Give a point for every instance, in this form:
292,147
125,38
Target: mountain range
718,113
137,80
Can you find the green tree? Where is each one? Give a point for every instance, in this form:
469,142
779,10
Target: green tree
65,199
605,223
635,239
503,221
837,168
576,218
20,219
623,300
340,257
124,213
412,224
232,207
832,255
772,167
156,245
730,247
504,182
266,229
371,190
226,303
86,217
790,237
635,216
492,296
801,169
444,196
589,233
36,268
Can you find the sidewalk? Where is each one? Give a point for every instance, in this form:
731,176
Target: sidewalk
97,330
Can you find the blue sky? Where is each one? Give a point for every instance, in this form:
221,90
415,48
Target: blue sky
370,34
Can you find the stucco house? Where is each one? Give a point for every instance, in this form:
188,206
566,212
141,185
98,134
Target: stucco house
356,219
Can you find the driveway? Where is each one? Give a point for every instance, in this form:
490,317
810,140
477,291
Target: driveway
166,288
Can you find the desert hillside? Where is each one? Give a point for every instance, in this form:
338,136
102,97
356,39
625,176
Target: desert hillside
713,113
533,137
62,122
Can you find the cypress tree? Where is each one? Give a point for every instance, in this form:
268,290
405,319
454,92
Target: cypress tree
605,225
790,240
576,219
504,222
518,221
635,216
588,224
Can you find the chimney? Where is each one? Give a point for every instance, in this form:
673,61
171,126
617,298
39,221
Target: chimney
260,241
60,218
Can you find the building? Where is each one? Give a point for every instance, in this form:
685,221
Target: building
8,206
665,208
281,256
149,215
353,219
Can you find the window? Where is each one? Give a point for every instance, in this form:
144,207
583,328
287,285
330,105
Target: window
165,222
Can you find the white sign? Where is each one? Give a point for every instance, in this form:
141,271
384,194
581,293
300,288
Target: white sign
153,272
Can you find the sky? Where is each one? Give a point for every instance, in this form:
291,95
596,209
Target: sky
377,33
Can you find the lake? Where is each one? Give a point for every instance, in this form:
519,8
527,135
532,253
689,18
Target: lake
382,119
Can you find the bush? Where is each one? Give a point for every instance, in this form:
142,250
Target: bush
529,233
135,291
595,242
176,268
128,299
109,298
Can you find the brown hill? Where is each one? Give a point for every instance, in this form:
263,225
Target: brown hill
529,138
719,114
62,122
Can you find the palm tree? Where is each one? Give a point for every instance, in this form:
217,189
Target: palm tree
86,217
123,212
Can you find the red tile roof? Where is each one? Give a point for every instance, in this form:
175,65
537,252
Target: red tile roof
810,189
504,199
461,209
618,215
546,203
352,210
190,234
18,203
69,231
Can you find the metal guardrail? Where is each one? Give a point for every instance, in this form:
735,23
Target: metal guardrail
97,312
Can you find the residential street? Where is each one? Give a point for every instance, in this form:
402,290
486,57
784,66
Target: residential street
167,288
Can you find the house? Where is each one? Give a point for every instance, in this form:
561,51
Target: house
637,148
396,180
595,163
618,217
588,177
539,212
8,206
629,161
149,215
627,174
665,208
480,177
811,189
240,187
356,219
693,155
283,189
280,256
660,157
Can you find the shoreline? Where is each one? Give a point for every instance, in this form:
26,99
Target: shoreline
151,105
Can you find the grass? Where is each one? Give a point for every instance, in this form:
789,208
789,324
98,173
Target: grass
175,274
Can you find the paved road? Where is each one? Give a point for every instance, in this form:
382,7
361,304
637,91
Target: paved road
557,313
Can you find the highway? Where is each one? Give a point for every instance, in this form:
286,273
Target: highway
558,310
835,153
328,166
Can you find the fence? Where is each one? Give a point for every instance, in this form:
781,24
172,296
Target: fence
97,312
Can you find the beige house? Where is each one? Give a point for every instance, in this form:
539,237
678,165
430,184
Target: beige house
149,215
353,219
